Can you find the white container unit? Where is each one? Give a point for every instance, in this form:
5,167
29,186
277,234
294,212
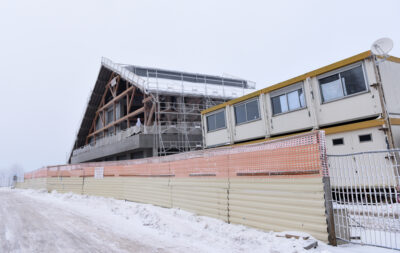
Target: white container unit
341,93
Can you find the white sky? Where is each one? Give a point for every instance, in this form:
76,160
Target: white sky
50,53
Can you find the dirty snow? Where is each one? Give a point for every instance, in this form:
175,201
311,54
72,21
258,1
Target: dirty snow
37,221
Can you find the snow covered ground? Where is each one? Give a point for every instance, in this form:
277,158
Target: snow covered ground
37,221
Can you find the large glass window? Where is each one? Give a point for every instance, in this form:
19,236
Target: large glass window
247,111
289,101
216,121
343,84
109,116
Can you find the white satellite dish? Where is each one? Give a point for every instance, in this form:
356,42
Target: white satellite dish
382,46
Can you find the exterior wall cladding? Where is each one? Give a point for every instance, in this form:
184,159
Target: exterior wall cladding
136,112
345,99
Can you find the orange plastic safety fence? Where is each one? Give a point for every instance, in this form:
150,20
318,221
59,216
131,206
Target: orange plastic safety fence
298,156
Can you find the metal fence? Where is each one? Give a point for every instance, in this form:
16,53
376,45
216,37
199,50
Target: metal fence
365,195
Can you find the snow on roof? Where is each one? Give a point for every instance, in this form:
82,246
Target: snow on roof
229,88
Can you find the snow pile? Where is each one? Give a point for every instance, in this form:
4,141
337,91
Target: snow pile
177,230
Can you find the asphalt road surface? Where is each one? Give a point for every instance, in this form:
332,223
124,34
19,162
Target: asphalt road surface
27,225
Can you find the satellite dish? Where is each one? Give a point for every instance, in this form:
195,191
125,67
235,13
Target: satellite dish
382,46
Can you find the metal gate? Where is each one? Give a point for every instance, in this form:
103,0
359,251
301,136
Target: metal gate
365,195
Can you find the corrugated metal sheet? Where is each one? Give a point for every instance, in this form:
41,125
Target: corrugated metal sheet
279,204
34,183
65,184
153,190
204,196
265,203
106,187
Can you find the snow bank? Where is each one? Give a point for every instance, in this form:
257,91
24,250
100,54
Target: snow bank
178,230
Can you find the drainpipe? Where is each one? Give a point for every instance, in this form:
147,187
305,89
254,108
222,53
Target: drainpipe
312,103
385,113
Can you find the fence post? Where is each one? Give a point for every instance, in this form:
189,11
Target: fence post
327,188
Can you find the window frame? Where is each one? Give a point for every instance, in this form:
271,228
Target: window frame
214,113
244,103
338,71
285,91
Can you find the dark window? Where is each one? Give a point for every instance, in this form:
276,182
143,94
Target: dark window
365,137
216,121
140,72
290,101
252,110
99,123
240,113
247,111
338,141
189,78
220,120
211,122
343,84
109,116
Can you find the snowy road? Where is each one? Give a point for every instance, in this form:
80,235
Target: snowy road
37,221
26,225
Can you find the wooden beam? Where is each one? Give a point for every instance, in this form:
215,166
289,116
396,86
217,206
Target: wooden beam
92,128
131,101
127,105
106,89
138,111
117,98
114,89
147,99
150,118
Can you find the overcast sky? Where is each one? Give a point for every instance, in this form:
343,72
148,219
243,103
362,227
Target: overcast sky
50,53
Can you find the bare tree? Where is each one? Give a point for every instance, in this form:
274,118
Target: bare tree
12,175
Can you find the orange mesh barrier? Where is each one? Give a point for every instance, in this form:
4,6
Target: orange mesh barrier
297,156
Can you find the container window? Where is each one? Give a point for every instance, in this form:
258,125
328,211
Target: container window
337,141
216,121
248,111
343,84
240,114
290,101
365,137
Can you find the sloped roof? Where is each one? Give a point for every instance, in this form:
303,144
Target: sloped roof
151,80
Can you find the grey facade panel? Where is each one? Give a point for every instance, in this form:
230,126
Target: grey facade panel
136,142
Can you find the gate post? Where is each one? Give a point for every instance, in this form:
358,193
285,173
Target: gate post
327,188
329,211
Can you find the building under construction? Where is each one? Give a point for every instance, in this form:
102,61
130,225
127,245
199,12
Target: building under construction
135,112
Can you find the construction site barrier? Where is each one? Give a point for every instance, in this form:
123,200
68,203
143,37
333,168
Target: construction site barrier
272,185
